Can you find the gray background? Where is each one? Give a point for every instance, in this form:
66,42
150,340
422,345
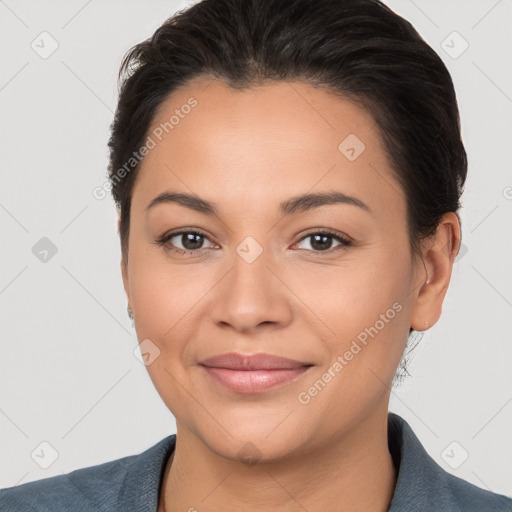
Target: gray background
69,376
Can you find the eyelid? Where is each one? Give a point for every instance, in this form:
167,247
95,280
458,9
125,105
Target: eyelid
164,239
325,231
182,231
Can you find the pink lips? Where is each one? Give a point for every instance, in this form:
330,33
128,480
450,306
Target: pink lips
252,373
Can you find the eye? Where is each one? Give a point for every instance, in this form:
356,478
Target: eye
185,242
192,241
321,241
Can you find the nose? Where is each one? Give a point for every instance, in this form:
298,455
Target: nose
252,297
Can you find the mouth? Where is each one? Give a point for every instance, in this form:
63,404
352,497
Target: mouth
254,373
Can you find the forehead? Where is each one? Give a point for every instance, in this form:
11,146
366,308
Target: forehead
266,142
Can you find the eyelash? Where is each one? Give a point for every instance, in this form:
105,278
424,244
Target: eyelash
162,241
344,242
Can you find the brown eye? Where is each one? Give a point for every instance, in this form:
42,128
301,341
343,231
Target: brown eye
323,241
188,242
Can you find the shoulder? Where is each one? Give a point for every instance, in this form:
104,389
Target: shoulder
470,497
80,489
104,487
424,485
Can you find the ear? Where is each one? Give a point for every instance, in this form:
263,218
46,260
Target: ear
124,268
439,253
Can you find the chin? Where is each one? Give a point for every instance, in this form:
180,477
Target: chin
256,438
253,450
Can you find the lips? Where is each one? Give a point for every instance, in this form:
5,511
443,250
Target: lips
236,361
253,373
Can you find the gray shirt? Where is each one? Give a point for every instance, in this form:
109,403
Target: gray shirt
132,483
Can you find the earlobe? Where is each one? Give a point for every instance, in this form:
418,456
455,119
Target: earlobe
432,285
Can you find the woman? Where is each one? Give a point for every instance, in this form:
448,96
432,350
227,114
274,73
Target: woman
288,176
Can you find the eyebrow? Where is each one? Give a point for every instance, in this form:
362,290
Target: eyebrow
297,204
308,202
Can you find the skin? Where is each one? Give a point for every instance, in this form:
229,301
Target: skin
247,151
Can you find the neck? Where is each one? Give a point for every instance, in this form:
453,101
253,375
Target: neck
352,473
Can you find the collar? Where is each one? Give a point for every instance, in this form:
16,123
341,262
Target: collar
421,483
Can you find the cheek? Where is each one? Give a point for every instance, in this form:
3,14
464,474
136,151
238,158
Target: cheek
367,317
364,305
353,295
168,299
162,297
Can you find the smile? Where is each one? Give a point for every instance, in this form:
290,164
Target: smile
253,373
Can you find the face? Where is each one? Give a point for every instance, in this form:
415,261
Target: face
294,245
